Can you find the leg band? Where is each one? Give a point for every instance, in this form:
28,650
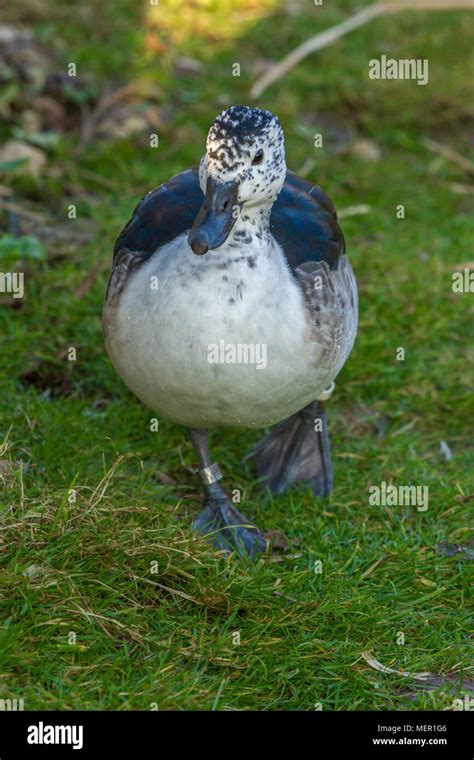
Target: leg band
326,393
210,474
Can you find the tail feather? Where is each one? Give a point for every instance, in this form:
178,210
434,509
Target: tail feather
297,450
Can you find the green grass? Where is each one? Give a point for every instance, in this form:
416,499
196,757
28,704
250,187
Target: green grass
109,601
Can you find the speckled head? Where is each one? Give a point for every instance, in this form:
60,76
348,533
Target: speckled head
244,165
246,145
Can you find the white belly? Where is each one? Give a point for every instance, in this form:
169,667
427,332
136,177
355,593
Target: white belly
196,358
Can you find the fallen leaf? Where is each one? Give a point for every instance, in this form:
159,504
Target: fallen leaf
277,539
11,302
165,479
427,680
464,499
6,468
88,281
52,113
185,65
10,34
33,570
33,159
451,550
366,150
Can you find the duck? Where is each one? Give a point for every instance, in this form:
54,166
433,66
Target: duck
231,303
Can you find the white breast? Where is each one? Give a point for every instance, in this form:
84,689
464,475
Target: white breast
180,312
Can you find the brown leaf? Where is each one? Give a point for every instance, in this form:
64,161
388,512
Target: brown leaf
22,53
88,281
464,499
11,302
35,159
48,379
277,539
165,479
154,44
366,150
185,65
51,112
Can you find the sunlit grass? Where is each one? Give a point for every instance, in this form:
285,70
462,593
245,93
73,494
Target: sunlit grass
176,21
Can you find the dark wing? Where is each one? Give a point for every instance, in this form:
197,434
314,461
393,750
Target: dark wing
158,218
304,222
163,214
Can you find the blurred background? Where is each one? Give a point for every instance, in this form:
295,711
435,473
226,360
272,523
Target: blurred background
84,91
99,103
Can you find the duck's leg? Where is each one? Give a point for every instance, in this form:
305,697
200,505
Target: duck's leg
297,450
220,520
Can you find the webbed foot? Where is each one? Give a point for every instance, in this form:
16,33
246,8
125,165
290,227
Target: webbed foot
228,529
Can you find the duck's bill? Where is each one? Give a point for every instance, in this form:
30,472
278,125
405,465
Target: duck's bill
216,217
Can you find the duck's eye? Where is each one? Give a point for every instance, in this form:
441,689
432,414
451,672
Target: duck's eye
258,157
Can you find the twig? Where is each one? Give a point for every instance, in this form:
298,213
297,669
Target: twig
104,181
461,189
173,591
451,155
362,208
91,121
15,209
323,39
288,598
88,281
370,659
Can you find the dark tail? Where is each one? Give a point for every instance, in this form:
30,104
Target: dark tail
297,450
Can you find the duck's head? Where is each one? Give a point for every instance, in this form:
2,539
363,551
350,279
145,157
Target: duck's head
244,166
